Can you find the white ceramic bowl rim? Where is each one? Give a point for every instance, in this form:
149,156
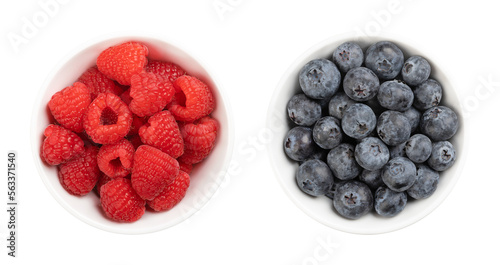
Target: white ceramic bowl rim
315,207
225,138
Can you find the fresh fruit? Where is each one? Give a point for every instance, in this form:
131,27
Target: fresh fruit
399,174
98,83
338,104
442,157
348,56
172,194
299,144
342,162
439,123
327,132
167,70
353,199
161,131
150,94
416,70
395,95
393,127
385,59
389,203
303,111
193,99
116,159
79,175
418,148
371,153
69,105
413,116
120,202
426,183
60,145
319,79
361,84
199,139
427,95
358,121
371,178
122,61
314,177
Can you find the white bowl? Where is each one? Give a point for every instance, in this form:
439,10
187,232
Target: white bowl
321,208
206,176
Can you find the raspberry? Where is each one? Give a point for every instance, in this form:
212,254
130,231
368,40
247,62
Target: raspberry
135,140
69,105
98,83
172,194
199,139
108,119
199,101
162,132
103,179
137,123
185,167
60,145
152,171
120,202
115,160
79,175
125,96
122,61
166,70
150,94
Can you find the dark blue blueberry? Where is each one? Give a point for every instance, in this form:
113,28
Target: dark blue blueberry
413,116
361,84
385,59
371,178
439,123
303,111
299,144
353,199
371,153
418,148
399,174
327,133
358,121
314,177
442,156
393,127
319,79
426,183
416,70
375,106
338,104
427,95
397,150
347,56
395,95
389,203
342,162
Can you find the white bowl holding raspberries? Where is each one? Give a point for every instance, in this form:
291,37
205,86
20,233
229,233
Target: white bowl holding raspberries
144,93
372,134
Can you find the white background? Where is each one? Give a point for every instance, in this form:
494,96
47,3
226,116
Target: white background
249,46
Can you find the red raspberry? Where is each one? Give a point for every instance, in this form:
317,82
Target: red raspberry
199,139
98,83
115,160
79,175
125,96
120,202
172,194
198,103
185,167
122,61
150,94
60,145
166,70
69,105
137,123
103,179
152,171
135,140
162,132
108,119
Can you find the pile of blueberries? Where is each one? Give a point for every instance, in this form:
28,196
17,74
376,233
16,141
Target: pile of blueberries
369,131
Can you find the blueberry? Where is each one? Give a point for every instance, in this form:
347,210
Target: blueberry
371,178
427,95
395,95
393,127
397,150
375,106
361,84
299,144
442,156
399,174
327,133
347,56
416,70
389,203
385,59
371,153
314,177
303,111
353,199
426,183
342,162
439,123
413,116
418,148
358,121
319,79
338,104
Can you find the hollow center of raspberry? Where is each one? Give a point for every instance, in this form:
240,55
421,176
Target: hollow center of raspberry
180,98
115,163
108,116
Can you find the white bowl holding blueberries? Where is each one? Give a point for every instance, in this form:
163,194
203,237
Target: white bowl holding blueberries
372,134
